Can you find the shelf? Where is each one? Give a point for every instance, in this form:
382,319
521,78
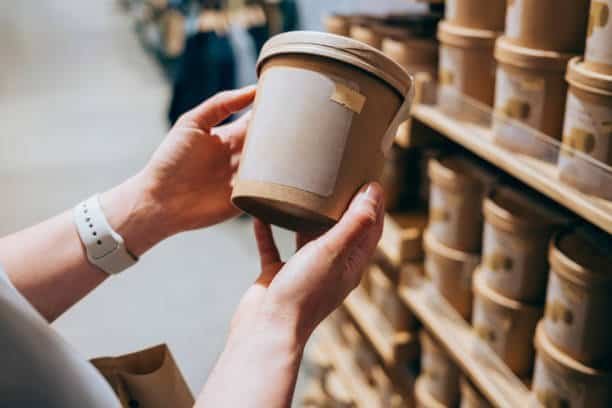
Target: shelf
394,348
486,370
540,175
363,393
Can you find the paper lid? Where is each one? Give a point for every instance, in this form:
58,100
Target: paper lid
562,362
581,77
339,48
518,211
433,246
583,255
513,54
465,37
458,173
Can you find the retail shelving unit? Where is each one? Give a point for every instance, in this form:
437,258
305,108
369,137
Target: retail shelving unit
539,175
486,370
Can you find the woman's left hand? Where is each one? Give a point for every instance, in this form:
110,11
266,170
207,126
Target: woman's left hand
187,183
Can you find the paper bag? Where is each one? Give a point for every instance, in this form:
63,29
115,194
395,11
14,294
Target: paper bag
146,379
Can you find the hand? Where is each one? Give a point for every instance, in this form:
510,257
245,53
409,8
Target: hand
301,293
260,362
187,183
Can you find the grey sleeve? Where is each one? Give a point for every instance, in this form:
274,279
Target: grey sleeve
39,368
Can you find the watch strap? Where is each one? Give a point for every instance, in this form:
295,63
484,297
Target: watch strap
105,247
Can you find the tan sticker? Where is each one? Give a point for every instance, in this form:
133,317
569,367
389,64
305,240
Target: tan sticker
600,13
581,139
348,97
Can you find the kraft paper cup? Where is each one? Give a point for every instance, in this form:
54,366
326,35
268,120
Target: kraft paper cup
413,54
440,373
506,325
458,186
338,24
470,396
529,87
384,296
517,231
479,14
423,399
598,53
560,381
466,61
326,112
579,296
587,128
451,273
555,25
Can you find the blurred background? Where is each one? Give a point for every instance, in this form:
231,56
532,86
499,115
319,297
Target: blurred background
88,89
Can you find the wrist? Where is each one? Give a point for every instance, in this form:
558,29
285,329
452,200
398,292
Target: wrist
134,215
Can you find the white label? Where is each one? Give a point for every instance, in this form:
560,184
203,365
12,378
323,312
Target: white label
444,212
552,389
566,309
507,260
450,9
451,67
588,127
297,122
513,19
599,35
520,97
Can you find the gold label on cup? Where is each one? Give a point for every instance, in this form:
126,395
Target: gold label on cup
348,97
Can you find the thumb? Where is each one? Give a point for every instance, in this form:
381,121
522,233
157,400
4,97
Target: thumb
361,222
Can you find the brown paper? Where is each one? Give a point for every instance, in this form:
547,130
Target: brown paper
146,379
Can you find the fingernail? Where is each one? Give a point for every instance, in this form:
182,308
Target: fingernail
371,193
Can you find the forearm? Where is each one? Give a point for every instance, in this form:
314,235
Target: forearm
48,264
256,369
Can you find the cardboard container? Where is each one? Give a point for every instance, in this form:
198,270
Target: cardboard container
413,54
579,297
560,381
587,128
366,34
451,272
598,53
384,295
506,325
466,61
479,14
424,399
338,24
458,185
518,228
470,396
555,25
440,373
326,112
529,87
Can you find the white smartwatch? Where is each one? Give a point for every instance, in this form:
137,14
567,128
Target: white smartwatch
105,247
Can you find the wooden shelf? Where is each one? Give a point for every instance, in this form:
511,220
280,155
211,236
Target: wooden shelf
363,393
486,370
394,348
539,175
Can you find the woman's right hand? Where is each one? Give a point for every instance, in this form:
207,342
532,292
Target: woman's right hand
279,312
299,294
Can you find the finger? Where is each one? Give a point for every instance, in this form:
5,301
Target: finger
363,219
302,238
233,134
219,107
268,252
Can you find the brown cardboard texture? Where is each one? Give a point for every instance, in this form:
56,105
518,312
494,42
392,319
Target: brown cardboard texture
579,296
479,14
324,110
530,87
555,25
506,325
466,61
